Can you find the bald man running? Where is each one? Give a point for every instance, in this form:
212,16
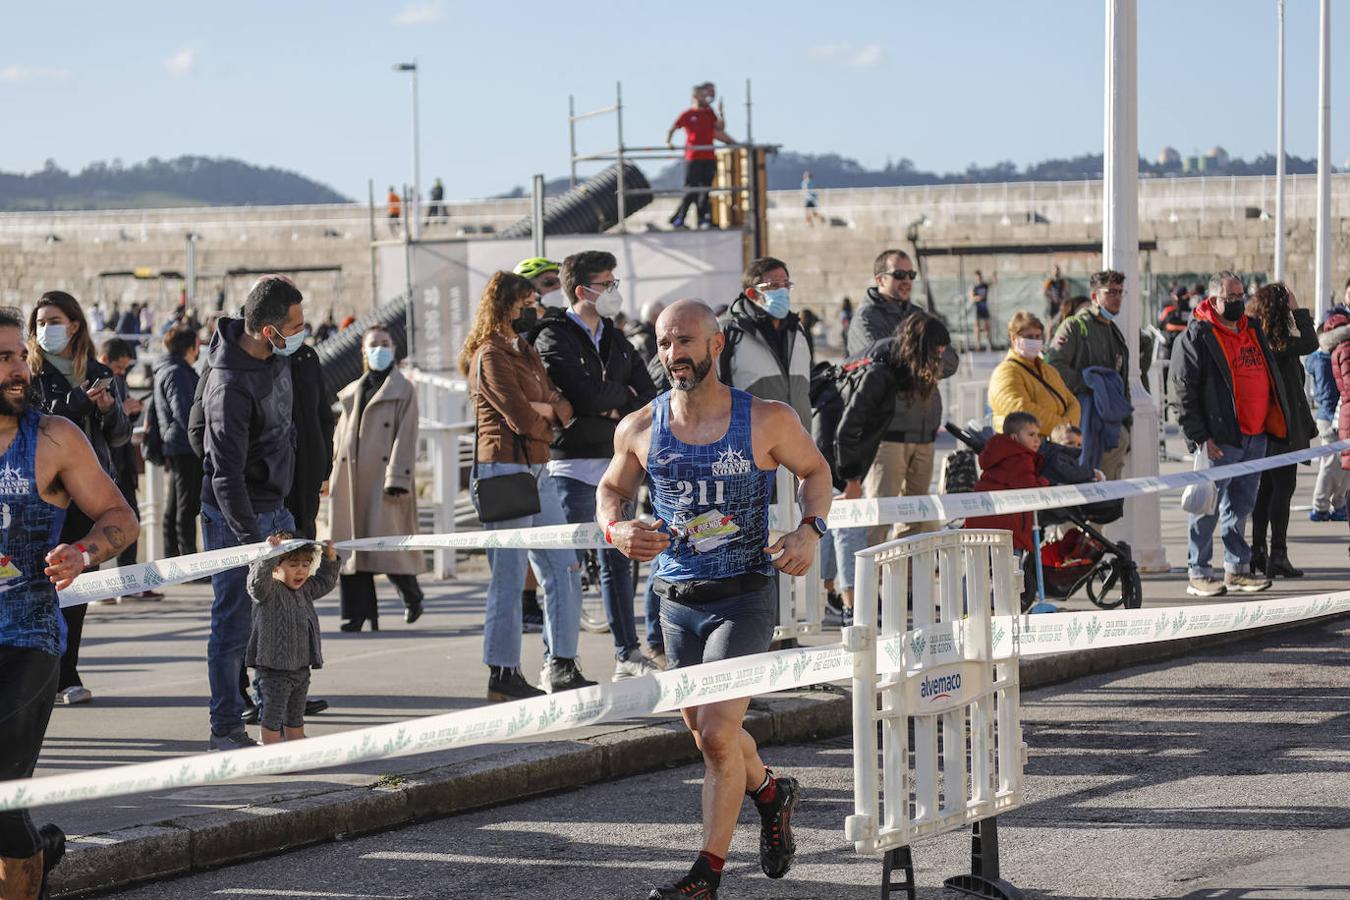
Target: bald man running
711,453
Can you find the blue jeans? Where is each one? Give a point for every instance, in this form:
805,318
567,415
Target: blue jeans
846,543
231,617
656,638
722,629
616,571
555,569
1237,499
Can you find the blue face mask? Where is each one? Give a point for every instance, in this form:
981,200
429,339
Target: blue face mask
776,301
379,358
293,342
1106,313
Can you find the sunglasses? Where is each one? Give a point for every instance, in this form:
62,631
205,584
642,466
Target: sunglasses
906,274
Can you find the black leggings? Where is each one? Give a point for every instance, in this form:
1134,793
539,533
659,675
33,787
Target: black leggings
1272,507
27,692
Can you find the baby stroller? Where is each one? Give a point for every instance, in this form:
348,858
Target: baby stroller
1083,557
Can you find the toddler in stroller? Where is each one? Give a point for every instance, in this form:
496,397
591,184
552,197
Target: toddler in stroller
1082,557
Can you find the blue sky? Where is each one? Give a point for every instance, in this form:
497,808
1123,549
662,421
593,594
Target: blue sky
308,85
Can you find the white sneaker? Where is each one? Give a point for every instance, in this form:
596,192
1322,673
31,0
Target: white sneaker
76,693
635,666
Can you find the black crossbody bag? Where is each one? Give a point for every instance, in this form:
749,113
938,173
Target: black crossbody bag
502,497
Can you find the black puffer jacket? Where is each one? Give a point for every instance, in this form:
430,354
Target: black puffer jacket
871,388
594,381
314,426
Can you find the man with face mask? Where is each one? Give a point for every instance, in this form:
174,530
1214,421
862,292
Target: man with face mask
1091,338
604,379
244,423
1231,400
767,354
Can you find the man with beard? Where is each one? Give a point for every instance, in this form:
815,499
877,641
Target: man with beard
46,465
710,453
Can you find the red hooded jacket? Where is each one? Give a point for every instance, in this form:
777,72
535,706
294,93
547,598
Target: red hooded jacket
1006,465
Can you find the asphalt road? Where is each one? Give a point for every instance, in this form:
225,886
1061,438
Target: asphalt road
1222,776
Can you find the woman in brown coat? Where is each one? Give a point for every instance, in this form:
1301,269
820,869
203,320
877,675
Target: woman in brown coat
516,409
373,488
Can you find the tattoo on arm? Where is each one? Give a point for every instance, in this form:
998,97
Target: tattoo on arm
116,536
627,509
93,550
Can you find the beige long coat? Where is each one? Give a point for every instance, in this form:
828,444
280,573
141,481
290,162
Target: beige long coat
381,454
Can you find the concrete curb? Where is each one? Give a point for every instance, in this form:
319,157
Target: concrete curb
181,845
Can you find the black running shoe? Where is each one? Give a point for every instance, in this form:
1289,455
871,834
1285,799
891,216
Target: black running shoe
777,846
53,842
687,888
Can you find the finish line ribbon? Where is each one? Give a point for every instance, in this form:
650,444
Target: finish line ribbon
843,514
744,676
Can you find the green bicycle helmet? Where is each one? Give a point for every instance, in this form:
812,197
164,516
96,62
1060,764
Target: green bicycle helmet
535,266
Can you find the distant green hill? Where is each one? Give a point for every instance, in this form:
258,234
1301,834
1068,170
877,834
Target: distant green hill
185,181
830,170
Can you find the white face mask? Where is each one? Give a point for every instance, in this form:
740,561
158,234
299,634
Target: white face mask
1029,348
554,299
52,338
607,303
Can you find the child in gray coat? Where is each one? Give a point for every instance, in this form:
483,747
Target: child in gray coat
284,642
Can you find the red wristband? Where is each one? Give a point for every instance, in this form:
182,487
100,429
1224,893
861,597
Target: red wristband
88,560
609,540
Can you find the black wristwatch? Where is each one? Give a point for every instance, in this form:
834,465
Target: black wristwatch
817,523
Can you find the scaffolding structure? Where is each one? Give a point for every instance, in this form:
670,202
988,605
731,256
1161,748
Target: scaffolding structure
740,189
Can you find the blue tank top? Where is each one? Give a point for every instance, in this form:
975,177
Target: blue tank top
713,497
30,527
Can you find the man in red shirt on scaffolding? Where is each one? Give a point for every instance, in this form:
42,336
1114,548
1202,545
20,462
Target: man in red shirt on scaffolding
701,127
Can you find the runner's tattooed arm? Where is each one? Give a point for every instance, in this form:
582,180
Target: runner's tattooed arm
71,473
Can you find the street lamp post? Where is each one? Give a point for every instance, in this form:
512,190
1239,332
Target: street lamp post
413,225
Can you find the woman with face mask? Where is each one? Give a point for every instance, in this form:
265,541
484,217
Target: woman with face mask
516,409
373,490
76,385
1024,382
1291,334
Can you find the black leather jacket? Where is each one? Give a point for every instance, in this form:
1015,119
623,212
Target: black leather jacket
104,430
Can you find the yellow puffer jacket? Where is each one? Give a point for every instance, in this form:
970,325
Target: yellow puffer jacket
1016,387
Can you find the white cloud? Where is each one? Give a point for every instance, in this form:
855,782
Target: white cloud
420,13
181,63
868,56
16,74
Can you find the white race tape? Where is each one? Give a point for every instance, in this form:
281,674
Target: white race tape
946,507
145,576
843,514
742,677
664,691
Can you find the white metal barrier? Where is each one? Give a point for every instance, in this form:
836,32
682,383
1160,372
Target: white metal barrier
941,673
800,600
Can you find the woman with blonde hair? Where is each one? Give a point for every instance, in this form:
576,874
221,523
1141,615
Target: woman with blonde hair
373,488
1023,382
516,409
74,384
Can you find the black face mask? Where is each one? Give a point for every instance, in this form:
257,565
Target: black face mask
1233,309
528,317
